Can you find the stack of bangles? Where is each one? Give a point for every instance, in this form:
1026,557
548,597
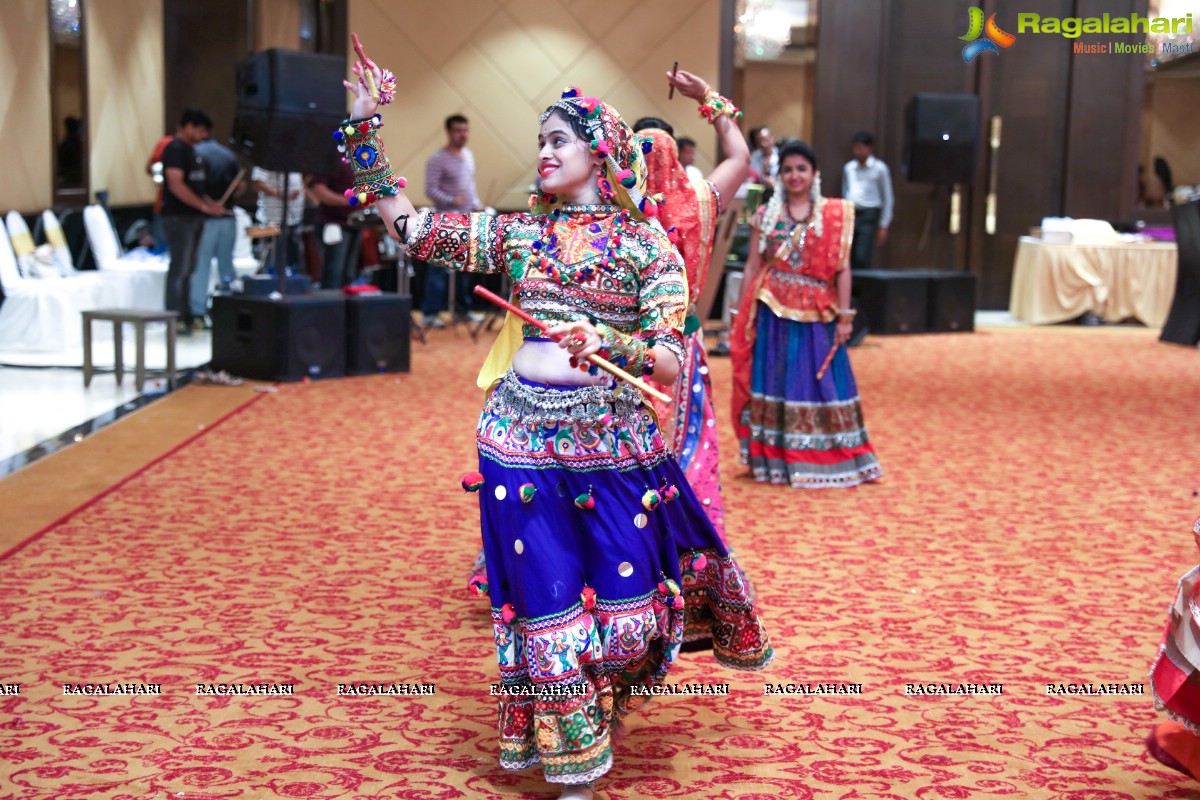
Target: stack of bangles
714,105
373,175
630,353
847,315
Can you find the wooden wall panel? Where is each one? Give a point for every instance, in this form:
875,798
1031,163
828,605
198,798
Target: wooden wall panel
204,42
852,57
1071,124
924,56
1102,147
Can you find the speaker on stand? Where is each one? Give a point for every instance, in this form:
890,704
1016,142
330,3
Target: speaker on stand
941,138
288,104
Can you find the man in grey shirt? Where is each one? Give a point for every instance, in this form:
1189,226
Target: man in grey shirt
867,183
450,184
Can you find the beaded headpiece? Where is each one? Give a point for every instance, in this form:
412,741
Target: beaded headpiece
624,178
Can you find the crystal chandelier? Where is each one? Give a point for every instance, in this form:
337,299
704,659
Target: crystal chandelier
764,30
64,21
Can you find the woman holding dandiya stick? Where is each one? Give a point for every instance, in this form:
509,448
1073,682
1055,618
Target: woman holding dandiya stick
798,419
600,558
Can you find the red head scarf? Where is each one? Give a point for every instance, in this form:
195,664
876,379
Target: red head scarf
680,209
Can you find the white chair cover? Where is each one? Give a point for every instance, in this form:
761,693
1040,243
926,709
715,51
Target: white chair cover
21,241
41,315
53,231
144,280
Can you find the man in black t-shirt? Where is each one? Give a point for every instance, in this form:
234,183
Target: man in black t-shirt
185,207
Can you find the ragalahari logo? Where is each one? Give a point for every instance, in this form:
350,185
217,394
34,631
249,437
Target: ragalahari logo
996,38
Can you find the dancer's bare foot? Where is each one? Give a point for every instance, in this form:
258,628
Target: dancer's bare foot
582,792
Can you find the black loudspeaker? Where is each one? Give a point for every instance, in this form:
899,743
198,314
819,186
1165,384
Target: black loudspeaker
289,103
295,337
1183,322
892,301
951,302
941,138
378,328
263,285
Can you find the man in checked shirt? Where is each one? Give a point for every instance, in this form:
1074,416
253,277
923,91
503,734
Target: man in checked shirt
450,184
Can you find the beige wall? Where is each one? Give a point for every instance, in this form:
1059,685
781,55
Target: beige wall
277,23
778,96
1172,120
125,95
25,139
502,63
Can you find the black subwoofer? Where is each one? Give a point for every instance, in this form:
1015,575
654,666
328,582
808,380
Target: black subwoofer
951,302
892,301
378,329
289,339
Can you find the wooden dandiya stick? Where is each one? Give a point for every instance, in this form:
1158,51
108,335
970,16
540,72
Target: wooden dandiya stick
828,361
368,68
241,173
602,363
674,72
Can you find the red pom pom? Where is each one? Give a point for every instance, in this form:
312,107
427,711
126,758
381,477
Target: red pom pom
402,182
472,481
677,603
364,127
699,562
507,613
588,595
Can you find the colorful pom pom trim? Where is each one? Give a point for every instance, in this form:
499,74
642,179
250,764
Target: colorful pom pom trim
586,500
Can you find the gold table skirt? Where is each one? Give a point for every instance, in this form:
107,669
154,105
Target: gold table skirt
1059,282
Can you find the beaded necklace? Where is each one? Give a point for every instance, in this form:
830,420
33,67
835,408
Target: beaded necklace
549,246
794,239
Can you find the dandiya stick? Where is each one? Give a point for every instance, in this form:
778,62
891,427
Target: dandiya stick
368,68
828,361
674,72
241,173
602,363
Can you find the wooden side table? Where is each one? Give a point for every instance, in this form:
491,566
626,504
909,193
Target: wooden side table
138,318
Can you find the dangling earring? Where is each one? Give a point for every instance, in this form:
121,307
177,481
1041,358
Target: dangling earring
604,187
814,191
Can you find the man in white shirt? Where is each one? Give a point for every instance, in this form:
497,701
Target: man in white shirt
272,188
867,183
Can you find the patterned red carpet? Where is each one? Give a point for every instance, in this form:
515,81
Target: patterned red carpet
1035,515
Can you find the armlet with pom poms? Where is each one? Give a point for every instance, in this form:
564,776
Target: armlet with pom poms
373,176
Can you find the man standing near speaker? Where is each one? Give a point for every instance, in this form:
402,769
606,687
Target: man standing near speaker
222,169
273,188
185,207
867,184
450,184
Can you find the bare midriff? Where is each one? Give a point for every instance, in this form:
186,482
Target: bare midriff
543,361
